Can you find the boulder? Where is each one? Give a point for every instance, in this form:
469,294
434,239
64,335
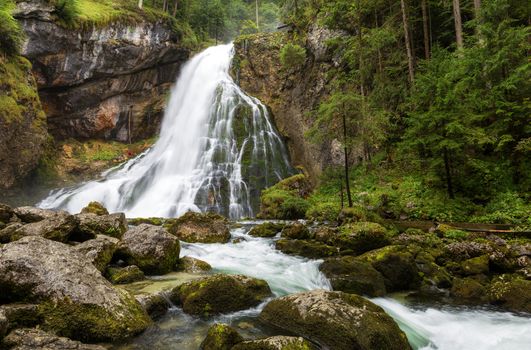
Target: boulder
57,227
90,225
31,339
151,248
155,305
3,324
335,320
218,294
99,250
296,231
276,343
201,228
221,337
32,214
510,292
326,234
347,274
306,248
361,237
192,265
5,213
397,266
74,299
468,290
267,229
124,275
6,234
21,315
475,266
95,208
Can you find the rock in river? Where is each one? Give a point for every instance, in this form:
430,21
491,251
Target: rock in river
201,228
31,339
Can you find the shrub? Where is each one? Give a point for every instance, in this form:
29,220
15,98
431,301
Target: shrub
11,35
293,208
292,56
323,211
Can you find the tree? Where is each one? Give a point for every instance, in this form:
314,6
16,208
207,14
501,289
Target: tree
140,4
409,51
425,28
458,24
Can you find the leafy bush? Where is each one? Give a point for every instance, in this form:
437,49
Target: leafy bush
292,56
323,211
11,35
293,208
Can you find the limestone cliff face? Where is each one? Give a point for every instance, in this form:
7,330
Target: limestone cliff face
90,79
291,95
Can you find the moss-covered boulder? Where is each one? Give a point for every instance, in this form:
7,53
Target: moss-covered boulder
511,292
124,275
74,299
221,337
99,250
397,266
192,265
201,228
21,315
347,274
218,294
32,214
31,338
267,229
276,343
6,213
326,234
286,199
306,248
360,237
7,233
156,305
335,320
296,231
151,248
468,290
90,225
58,227
95,208
475,266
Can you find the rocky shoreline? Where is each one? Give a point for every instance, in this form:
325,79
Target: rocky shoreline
61,277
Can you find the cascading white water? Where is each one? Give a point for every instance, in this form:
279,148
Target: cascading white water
217,150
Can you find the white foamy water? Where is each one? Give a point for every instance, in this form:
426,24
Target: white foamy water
217,150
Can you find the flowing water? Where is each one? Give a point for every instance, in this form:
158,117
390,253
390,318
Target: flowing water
217,150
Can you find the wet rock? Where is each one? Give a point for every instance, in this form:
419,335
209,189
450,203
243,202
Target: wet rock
296,231
95,208
6,234
347,274
276,343
468,290
90,225
220,294
267,229
31,339
201,228
151,248
459,251
361,237
124,275
99,250
510,292
326,234
5,213
475,266
192,265
221,337
74,298
306,248
156,305
397,266
21,315
57,227
335,320
32,214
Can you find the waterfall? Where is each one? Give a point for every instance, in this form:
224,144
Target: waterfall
216,151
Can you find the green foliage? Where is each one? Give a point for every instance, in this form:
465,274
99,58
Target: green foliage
68,10
11,35
248,27
286,199
292,56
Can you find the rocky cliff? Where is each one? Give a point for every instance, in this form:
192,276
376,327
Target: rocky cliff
92,79
290,94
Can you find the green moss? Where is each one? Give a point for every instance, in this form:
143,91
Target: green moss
286,199
267,229
306,248
124,275
221,337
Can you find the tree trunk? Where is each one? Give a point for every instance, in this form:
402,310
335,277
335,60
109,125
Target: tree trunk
477,7
458,24
410,58
425,26
448,174
360,51
175,8
345,150
341,192
140,4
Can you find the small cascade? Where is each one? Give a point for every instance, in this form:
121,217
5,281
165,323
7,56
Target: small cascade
217,150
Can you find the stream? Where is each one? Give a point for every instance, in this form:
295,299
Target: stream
427,326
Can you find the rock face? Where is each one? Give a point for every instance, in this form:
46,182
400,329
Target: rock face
336,320
90,79
221,337
30,339
220,294
201,228
151,248
276,343
74,299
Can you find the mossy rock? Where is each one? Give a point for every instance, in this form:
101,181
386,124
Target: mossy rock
360,237
397,265
286,199
21,315
3,325
156,305
221,337
306,248
99,250
151,221
201,228
296,231
218,294
6,212
124,275
58,227
267,229
468,290
510,292
33,338
347,274
192,265
475,266
335,320
91,225
95,208
276,343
